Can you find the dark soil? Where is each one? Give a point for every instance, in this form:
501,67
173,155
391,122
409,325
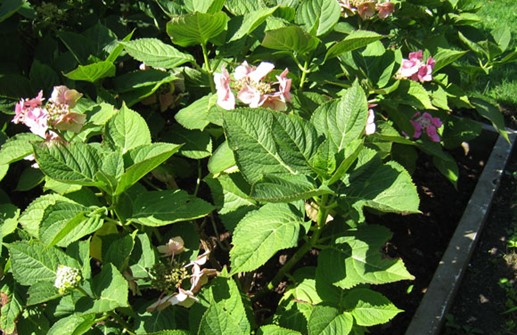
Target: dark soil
420,240
482,300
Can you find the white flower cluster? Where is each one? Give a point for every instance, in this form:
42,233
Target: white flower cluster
67,278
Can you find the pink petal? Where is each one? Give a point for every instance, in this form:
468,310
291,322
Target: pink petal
261,71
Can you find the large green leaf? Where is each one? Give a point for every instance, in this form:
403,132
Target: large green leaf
75,163
387,188
155,53
287,188
492,113
18,147
224,292
116,249
197,28
33,215
73,324
326,320
33,262
355,40
160,208
218,321
262,233
60,218
127,130
42,291
292,39
110,289
10,311
356,258
196,114
267,143
318,16
92,72
276,330
445,57
9,7
369,308
204,6
344,120
252,21
142,160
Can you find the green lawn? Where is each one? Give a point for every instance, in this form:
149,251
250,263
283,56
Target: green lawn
501,84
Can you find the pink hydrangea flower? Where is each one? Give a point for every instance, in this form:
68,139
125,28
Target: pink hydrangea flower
62,95
174,246
370,123
225,97
366,10
31,113
385,9
252,87
413,68
426,122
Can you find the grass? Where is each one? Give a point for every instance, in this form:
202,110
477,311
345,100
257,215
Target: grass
501,84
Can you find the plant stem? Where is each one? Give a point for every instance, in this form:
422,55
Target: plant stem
121,322
305,70
208,67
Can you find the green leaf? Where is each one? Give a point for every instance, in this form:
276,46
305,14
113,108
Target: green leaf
58,217
8,8
287,188
110,289
221,160
217,321
327,320
18,147
42,292
160,208
276,330
292,39
369,308
318,16
197,28
155,53
75,163
225,293
127,130
445,57
116,249
196,114
492,113
33,215
387,188
414,94
355,40
252,21
92,72
11,310
230,194
262,233
196,144
344,120
9,215
142,160
204,6
29,179
356,258
143,256
73,324
267,143
33,262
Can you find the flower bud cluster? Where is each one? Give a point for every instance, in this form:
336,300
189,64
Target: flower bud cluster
252,88
67,278
366,9
55,115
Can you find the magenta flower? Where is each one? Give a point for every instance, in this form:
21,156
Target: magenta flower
225,97
414,69
426,122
